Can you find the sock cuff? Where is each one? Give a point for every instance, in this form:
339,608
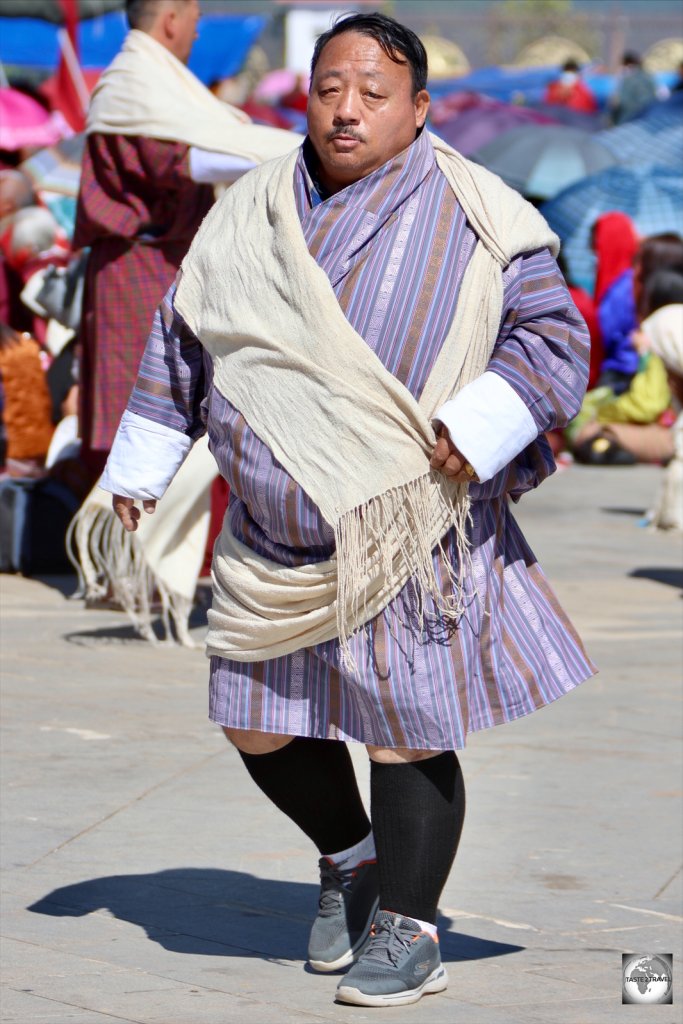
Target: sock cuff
356,854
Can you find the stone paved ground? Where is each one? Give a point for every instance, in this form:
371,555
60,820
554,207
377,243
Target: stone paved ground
146,880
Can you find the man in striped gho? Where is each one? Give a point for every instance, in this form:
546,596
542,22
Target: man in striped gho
384,337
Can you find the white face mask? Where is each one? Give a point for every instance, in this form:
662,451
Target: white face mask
568,77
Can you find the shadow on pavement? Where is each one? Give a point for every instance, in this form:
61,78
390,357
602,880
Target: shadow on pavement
213,912
65,583
127,631
109,634
624,511
670,577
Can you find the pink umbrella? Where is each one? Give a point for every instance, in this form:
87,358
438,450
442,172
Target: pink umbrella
276,83
24,123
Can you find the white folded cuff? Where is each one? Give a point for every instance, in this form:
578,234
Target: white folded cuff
210,168
144,458
489,423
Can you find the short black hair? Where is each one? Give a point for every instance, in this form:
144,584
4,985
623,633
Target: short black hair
631,59
663,288
138,12
396,40
141,13
570,65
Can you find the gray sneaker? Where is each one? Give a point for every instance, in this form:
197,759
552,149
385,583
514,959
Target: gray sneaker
399,965
347,907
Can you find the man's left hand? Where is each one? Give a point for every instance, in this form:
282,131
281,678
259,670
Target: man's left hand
447,459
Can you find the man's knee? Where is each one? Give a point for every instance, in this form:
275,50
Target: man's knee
399,755
250,741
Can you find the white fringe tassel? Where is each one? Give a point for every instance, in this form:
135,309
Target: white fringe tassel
393,536
111,564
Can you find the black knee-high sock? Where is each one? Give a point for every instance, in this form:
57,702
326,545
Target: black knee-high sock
313,783
417,812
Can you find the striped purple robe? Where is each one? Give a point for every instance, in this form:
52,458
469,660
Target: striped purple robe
395,246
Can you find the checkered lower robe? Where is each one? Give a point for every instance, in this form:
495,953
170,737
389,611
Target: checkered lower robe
395,246
139,210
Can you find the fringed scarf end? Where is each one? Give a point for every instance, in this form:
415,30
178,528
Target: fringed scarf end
391,539
111,566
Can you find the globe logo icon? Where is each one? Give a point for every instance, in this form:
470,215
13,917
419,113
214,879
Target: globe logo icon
647,979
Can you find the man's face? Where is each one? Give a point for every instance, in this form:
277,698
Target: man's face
361,109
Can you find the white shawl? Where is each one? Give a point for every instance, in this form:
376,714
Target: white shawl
665,331
345,428
160,561
147,91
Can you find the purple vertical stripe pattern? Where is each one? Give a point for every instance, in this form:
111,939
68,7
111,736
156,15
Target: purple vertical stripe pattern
395,247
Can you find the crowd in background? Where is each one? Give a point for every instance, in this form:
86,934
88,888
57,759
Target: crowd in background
635,314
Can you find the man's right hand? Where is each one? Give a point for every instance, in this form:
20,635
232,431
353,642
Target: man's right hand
127,512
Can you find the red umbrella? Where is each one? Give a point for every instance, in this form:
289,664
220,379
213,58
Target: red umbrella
24,123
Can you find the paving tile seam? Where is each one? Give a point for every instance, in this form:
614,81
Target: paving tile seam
609,635
667,884
76,1006
588,932
28,659
13,612
561,1000
643,910
501,922
130,803
576,950
617,727
162,977
549,974
158,930
575,752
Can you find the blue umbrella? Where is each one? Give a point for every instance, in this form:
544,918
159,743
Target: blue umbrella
503,84
542,159
655,137
652,197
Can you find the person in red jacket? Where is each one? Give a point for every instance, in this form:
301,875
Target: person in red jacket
570,91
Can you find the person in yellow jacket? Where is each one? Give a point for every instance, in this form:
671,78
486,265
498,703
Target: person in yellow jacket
631,427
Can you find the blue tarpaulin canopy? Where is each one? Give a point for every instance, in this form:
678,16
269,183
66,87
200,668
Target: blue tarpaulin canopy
526,85
499,83
220,51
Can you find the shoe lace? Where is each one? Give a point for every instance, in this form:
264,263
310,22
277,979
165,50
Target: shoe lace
333,880
387,942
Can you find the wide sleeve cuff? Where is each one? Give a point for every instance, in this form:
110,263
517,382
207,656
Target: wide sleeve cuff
489,423
144,458
210,168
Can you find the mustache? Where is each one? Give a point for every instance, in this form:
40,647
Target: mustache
345,129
